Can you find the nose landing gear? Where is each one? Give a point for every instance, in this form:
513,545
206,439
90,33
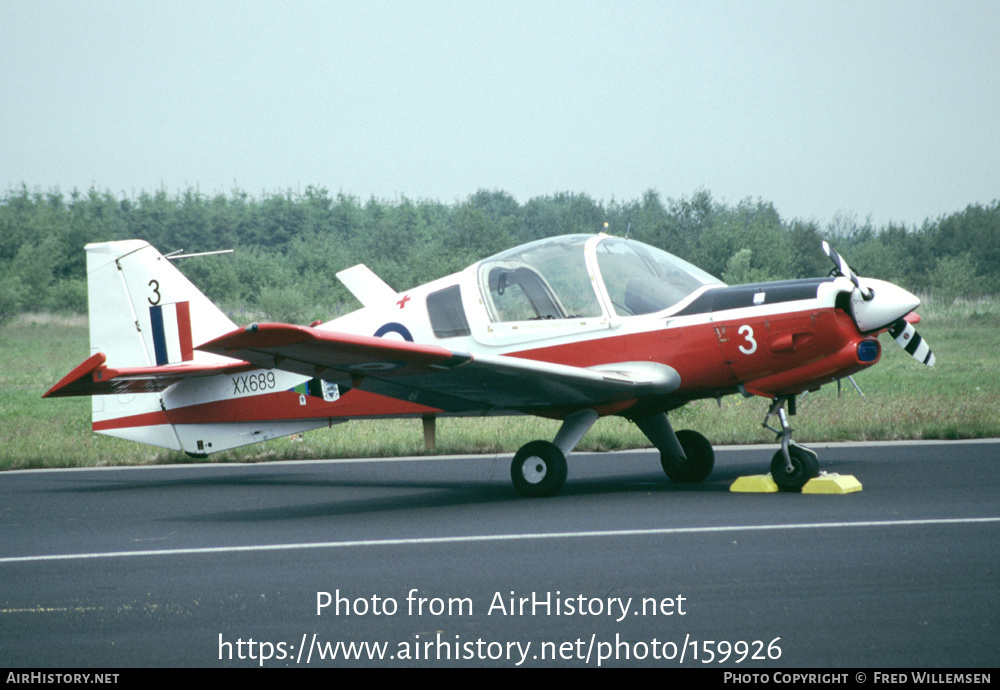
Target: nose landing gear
793,465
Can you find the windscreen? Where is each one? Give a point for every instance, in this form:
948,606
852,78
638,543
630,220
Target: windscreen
641,279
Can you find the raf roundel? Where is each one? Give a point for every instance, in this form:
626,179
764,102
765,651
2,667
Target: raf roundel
396,328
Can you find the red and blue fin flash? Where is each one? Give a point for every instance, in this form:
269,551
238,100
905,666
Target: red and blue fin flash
172,333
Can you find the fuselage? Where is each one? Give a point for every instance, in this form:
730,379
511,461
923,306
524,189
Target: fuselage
586,301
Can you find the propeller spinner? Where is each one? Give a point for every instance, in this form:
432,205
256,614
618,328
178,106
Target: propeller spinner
883,305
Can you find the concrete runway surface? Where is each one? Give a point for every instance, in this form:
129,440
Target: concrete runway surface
438,562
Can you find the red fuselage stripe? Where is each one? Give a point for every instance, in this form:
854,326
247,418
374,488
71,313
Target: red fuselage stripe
276,406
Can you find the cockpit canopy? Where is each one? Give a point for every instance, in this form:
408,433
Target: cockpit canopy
573,276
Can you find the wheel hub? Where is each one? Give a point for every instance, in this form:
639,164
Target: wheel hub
534,470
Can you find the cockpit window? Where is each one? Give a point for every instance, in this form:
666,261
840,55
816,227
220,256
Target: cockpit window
446,313
641,279
550,279
547,279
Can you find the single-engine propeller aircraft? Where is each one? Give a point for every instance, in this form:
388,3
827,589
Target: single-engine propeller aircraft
570,328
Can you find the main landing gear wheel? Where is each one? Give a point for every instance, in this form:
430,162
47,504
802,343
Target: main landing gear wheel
699,463
805,466
538,469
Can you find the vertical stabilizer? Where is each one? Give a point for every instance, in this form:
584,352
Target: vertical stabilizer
144,312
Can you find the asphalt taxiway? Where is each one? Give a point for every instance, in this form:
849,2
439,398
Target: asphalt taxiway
437,561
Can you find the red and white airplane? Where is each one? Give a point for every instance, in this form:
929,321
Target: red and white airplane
571,328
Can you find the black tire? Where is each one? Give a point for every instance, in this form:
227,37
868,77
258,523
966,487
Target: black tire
699,463
805,466
538,469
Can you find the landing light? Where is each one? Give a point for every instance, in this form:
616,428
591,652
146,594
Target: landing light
868,350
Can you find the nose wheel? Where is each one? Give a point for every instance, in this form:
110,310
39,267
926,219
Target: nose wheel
792,474
793,465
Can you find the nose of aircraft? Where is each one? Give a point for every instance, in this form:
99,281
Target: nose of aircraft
887,304
876,304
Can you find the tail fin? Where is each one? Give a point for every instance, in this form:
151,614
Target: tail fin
144,312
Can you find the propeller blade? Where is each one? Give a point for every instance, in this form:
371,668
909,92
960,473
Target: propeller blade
845,270
906,337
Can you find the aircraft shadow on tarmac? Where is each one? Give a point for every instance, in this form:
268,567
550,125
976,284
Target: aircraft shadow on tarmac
403,487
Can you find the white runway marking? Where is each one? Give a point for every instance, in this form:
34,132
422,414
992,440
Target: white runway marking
501,537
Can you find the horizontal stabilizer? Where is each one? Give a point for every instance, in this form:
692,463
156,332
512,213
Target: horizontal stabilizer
92,377
366,285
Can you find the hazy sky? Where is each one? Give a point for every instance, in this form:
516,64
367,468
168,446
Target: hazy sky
882,109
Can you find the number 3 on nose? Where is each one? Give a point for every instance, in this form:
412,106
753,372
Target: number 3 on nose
751,345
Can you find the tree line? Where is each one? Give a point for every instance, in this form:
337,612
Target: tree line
289,245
